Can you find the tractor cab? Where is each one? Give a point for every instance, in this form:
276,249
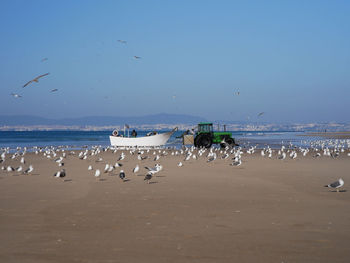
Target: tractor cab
205,127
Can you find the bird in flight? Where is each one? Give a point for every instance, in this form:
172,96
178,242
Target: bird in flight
261,113
122,41
35,79
16,95
44,59
136,57
53,90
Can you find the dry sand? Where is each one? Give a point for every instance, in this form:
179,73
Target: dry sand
265,210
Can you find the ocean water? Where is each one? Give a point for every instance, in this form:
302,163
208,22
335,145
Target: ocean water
79,139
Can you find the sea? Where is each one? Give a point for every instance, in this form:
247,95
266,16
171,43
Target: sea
86,139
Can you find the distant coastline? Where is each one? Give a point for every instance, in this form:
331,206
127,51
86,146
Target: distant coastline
297,127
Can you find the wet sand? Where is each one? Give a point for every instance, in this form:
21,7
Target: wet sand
329,135
265,210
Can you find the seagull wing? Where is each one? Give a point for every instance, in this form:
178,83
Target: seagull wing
335,184
43,75
27,83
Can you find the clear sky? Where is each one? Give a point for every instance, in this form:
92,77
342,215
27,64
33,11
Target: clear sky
289,59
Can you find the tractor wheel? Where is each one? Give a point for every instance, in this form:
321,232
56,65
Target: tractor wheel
204,140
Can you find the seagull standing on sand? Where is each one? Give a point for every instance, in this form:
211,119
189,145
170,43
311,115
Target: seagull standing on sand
29,170
90,168
237,162
61,173
148,176
10,169
122,175
282,156
336,185
136,169
35,79
97,174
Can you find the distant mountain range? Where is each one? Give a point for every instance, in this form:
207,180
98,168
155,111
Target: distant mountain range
162,118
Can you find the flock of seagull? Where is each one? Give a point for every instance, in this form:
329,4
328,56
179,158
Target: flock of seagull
59,155
36,79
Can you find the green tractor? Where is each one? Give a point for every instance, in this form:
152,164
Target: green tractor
205,136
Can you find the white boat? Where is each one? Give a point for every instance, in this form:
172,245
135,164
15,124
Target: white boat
146,141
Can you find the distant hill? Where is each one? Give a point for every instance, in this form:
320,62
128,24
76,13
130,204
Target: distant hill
162,118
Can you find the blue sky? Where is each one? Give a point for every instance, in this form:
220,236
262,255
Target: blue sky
289,59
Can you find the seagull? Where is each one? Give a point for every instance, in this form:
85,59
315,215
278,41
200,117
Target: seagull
23,161
260,114
180,164
122,175
106,168
97,174
118,165
58,160
16,95
10,169
148,176
90,168
53,90
156,168
61,173
136,57
29,170
282,156
336,184
122,41
19,169
121,157
136,169
237,163
212,158
44,59
35,79
316,155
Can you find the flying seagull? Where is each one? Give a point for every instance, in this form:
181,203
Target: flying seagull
44,59
35,79
336,185
53,90
122,41
261,113
136,57
16,95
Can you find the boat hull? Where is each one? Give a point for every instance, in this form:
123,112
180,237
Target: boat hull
147,141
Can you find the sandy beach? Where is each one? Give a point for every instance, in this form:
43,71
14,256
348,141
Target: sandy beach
265,210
